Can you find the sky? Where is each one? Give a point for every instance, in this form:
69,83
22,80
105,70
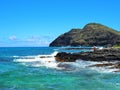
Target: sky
27,23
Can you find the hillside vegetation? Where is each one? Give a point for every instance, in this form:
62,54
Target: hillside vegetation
91,34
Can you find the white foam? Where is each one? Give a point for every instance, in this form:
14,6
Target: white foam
15,56
50,62
84,64
39,60
92,65
81,64
104,69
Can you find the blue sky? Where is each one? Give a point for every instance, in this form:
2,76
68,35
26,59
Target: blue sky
38,22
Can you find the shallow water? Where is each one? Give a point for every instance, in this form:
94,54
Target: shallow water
34,76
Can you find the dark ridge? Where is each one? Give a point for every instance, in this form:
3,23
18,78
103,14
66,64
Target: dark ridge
91,34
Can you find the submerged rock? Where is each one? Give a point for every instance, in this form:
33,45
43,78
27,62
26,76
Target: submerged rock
67,66
111,65
102,65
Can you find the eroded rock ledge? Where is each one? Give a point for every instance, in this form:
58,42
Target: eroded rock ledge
108,55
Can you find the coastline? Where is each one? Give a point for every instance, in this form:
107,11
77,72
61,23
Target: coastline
108,57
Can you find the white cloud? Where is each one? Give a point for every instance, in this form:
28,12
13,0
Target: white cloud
27,41
12,38
33,39
39,41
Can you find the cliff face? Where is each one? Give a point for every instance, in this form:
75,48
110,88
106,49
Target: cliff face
91,34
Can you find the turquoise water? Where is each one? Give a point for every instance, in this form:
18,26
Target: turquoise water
19,76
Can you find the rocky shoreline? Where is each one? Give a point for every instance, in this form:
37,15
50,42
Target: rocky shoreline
109,55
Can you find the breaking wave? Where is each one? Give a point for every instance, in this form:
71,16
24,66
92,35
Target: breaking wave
50,62
39,60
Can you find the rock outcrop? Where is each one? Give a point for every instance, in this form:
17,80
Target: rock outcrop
111,54
92,34
111,57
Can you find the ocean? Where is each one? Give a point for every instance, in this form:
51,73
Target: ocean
35,68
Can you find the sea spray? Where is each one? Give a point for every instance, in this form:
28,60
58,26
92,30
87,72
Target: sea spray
50,62
39,60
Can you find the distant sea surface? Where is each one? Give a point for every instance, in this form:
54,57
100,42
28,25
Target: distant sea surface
26,68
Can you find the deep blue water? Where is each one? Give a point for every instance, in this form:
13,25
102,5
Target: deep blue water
19,76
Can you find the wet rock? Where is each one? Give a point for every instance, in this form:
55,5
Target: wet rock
109,54
66,57
102,65
109,65
66,66
117,65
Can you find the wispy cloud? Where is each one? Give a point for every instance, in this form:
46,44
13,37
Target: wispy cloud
26,41
39,41
33,39
12,38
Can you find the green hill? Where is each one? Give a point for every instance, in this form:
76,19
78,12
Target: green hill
92,34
